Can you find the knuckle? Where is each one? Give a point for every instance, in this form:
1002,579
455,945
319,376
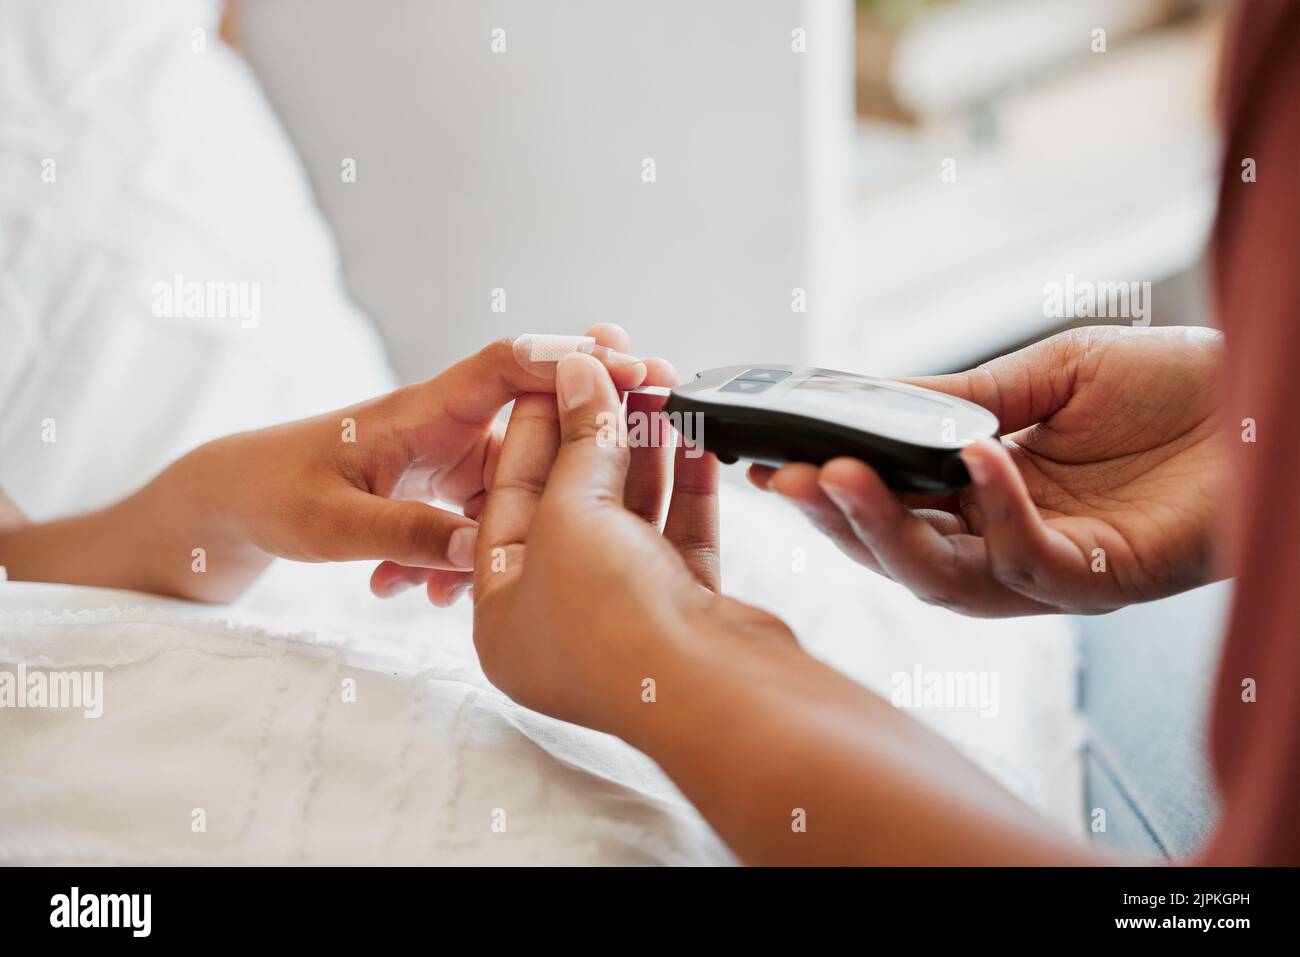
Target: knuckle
949,584
1018,575
1088,340
605,497
695,545
586,423
534,407
756,622
417,534
986,387
941,595
497,352
497,362
336,529
938,600
531,485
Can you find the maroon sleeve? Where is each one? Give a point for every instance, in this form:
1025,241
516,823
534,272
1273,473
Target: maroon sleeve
1255,727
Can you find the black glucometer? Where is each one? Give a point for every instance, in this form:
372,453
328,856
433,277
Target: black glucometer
774,414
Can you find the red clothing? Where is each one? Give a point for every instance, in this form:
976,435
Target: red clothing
1256,746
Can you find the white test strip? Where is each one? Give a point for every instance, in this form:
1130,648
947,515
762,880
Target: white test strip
538,353
543,348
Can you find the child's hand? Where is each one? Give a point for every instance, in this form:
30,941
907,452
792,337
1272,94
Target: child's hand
465,483
337,487
353,484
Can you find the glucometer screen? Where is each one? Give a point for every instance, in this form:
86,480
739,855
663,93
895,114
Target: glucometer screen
856,398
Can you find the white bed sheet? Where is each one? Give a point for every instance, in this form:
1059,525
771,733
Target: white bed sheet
240,711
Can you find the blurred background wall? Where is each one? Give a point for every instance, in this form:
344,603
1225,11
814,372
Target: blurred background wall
781,221
523,168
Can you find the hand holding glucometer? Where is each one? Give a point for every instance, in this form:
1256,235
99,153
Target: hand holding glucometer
772,414
1064,492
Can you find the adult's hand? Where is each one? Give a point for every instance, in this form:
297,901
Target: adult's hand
579,599
1101,492
583,610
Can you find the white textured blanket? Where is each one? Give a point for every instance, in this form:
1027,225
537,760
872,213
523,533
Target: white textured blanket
367,733
221,743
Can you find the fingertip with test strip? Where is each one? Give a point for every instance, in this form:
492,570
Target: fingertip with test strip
538,353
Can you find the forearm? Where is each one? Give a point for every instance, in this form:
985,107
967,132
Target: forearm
792,763
10,515
146,542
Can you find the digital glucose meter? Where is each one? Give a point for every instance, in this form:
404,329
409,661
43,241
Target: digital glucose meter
774,414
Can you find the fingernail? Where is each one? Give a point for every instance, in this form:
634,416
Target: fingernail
575,380
455,594
460,547
976,464
612,358
836,495
390,588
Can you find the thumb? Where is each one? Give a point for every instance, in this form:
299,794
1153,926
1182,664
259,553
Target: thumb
407,532
1021,388
591,467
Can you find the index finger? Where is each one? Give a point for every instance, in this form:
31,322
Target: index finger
526,457
947,570
692,523
468,394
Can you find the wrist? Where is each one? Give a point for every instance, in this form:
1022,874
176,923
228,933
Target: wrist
217,496
701,670
189,530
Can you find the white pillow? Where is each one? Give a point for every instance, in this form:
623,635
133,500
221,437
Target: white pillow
134,148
